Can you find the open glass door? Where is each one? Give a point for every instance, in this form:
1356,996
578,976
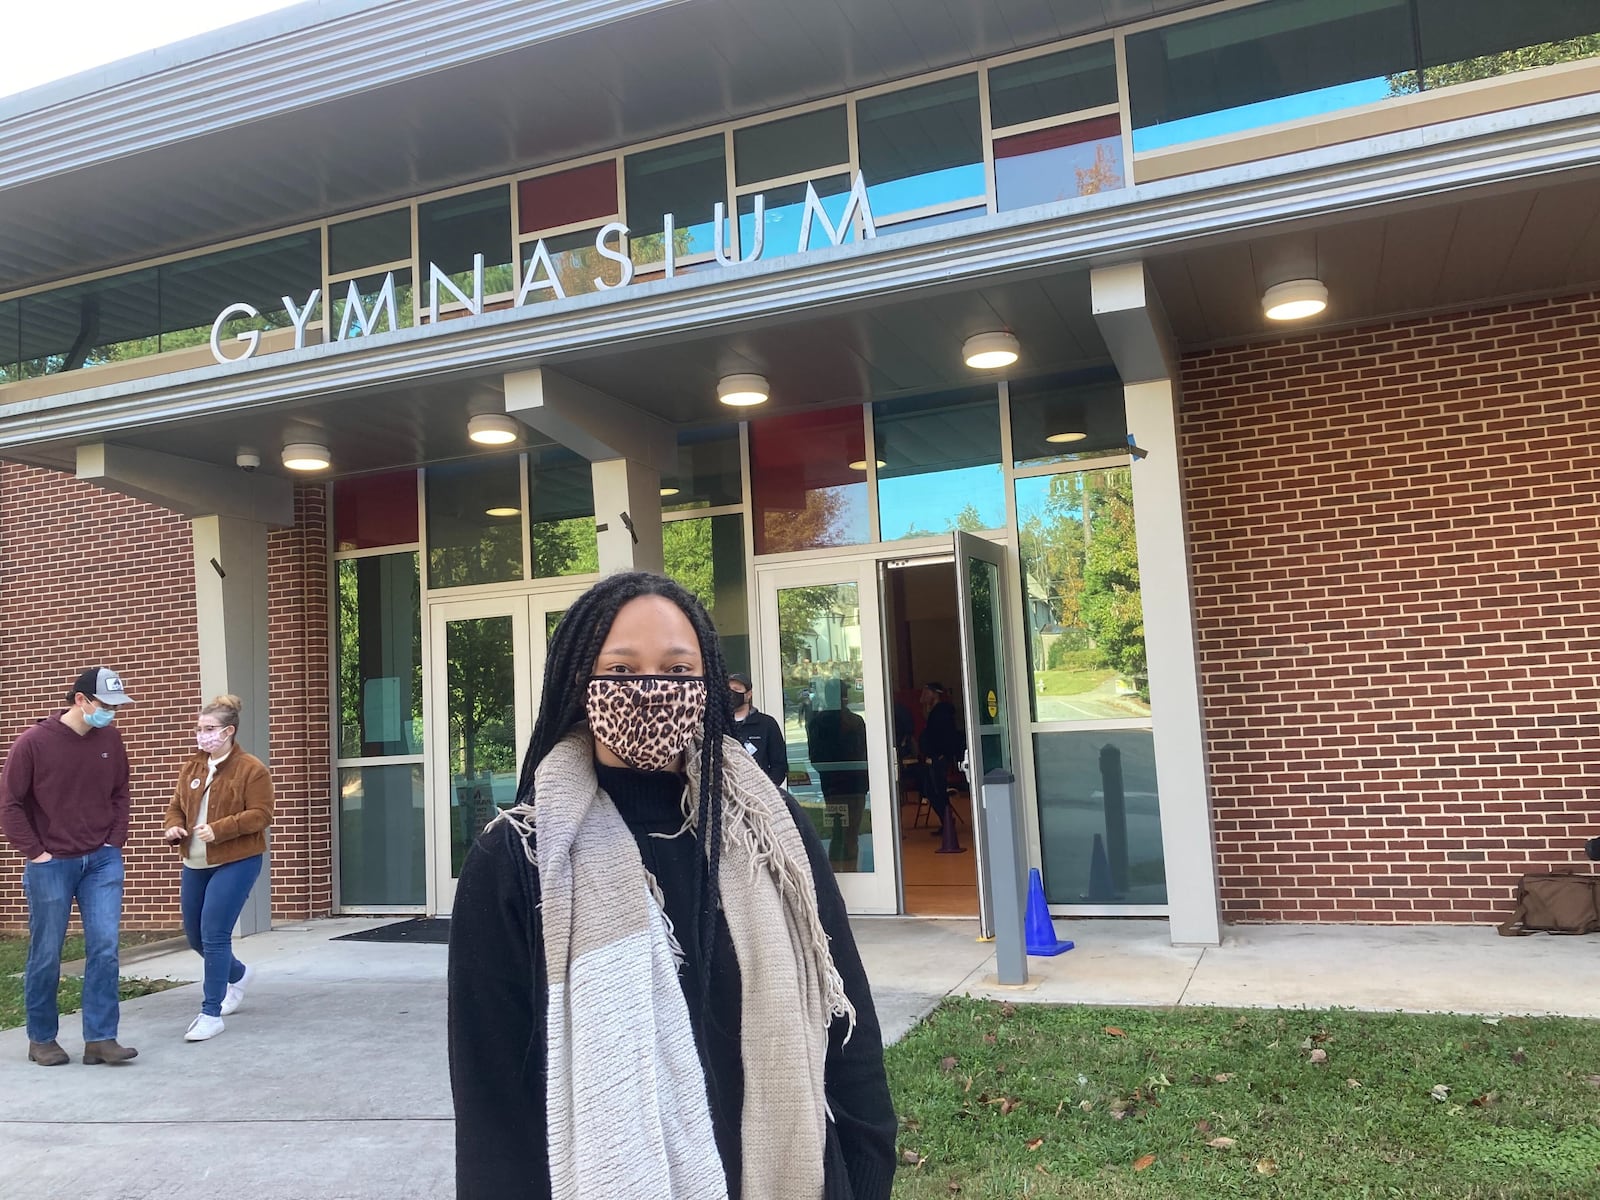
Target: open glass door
980,570
488,661
826,688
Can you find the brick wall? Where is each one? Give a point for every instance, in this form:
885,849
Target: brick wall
1397,568
91,576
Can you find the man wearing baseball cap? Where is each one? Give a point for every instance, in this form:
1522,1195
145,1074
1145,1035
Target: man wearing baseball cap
64,808
756,731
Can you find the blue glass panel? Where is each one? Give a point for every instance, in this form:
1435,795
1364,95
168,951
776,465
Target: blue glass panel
782,211
939,464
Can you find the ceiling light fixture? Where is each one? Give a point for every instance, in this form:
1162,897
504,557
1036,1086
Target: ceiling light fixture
669,491
741,391
988,351
306,456
1294,300
493,429
502,511
860,464
1065,437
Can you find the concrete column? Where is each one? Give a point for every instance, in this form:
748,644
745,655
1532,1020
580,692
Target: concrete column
627,515
1182,776
230,587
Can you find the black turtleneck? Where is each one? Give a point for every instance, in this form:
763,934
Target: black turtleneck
498,990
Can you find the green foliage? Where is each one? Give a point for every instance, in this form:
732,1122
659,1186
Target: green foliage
686,547
69,997
565,547
1001,1100
1111,608
1492,66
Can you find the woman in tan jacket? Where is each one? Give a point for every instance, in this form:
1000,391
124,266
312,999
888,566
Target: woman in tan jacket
218,818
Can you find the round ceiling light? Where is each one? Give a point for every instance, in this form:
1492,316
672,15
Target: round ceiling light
502,511
306,456
493,429
741,391
669,491
860,464
1065,437
1294,300
988,351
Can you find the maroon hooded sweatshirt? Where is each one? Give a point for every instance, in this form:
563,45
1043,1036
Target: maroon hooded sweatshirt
64,792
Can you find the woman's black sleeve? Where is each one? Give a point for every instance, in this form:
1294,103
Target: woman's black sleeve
857,1087
496,1024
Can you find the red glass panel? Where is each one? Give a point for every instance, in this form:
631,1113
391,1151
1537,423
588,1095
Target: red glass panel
804,488
581,194
1057,136
375,510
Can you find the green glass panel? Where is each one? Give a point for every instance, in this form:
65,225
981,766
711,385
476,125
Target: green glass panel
380,656
382,841
480,678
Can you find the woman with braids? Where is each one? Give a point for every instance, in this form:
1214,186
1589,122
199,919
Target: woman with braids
654,992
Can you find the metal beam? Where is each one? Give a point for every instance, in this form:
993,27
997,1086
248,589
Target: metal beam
589,422
194,489
1132,323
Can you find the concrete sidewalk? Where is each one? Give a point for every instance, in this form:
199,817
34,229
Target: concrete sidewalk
331,1083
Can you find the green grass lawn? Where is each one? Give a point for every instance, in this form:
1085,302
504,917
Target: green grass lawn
1031,1100
14,956
1072,681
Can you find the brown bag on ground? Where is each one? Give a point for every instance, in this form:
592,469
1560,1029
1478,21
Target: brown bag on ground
1555,904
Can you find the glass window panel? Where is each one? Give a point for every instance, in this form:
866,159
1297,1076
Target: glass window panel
1080,580
819,639
706,555
10,340
369,241
808,142
380,656
375,510
1099,817
1480,39
928,222
92,324
567,197
708,474
480,671
1084,77
938,464
921,146
1066,417
561,497
1058,164
805,492
782,210
382,811
195,290
474,522
685,180
577,261
451,231
1263,64
369,287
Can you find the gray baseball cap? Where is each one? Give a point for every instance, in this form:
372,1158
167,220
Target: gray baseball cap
104,684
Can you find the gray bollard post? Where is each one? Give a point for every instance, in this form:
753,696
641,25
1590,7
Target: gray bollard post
1006,855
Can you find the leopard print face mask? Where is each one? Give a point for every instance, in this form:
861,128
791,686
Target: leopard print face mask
645,720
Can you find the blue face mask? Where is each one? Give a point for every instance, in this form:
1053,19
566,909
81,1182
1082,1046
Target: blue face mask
99,718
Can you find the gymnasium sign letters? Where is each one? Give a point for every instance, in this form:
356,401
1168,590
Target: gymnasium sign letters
540,280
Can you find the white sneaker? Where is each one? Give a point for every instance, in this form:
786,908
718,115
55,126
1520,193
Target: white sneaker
234,996
203,1028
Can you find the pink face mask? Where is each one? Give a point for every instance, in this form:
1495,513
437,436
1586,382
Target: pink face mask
211,740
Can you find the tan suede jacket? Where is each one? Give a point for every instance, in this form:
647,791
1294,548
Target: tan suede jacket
239,811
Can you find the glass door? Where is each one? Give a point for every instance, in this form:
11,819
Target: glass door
980,601
821,667
488,662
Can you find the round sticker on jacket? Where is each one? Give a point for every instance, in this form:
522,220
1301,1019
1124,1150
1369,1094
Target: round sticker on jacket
194,783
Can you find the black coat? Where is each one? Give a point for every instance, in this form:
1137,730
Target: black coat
497,1012
763,737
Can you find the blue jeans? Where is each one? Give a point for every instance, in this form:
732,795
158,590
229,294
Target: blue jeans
95,882
212,899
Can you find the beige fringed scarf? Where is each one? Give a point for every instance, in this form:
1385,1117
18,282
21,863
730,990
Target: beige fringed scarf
627,1113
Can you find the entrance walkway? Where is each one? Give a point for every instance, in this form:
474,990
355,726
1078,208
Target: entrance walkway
330,1084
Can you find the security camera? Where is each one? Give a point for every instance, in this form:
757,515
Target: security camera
247,461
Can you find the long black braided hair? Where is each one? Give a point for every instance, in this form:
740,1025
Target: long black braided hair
568,665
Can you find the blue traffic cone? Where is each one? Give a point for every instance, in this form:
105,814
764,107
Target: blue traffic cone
1039,931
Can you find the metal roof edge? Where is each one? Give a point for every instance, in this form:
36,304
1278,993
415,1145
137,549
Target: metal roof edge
303,56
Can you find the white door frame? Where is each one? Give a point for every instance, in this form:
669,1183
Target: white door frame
876,892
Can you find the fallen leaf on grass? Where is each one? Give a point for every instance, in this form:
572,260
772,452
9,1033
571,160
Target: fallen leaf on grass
1225,1077
1008,1009
1519,1056
1041,1168
988,1039
954,1187
1221,1143
1114,1031
1440,1092
1352,1083
1266,1166
1485,1100
1319,1055
1202,1126
1086,1105
1592,1080
912,1159
1035,1144
1143,1161
1491,1020
947,1065
1006,1103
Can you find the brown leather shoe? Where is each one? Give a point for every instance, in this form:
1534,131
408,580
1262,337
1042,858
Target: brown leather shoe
107,1052
47,1054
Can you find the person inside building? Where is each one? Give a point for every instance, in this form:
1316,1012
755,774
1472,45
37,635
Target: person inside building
64,808
836,743
942,745
756,731
653,987
218,819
